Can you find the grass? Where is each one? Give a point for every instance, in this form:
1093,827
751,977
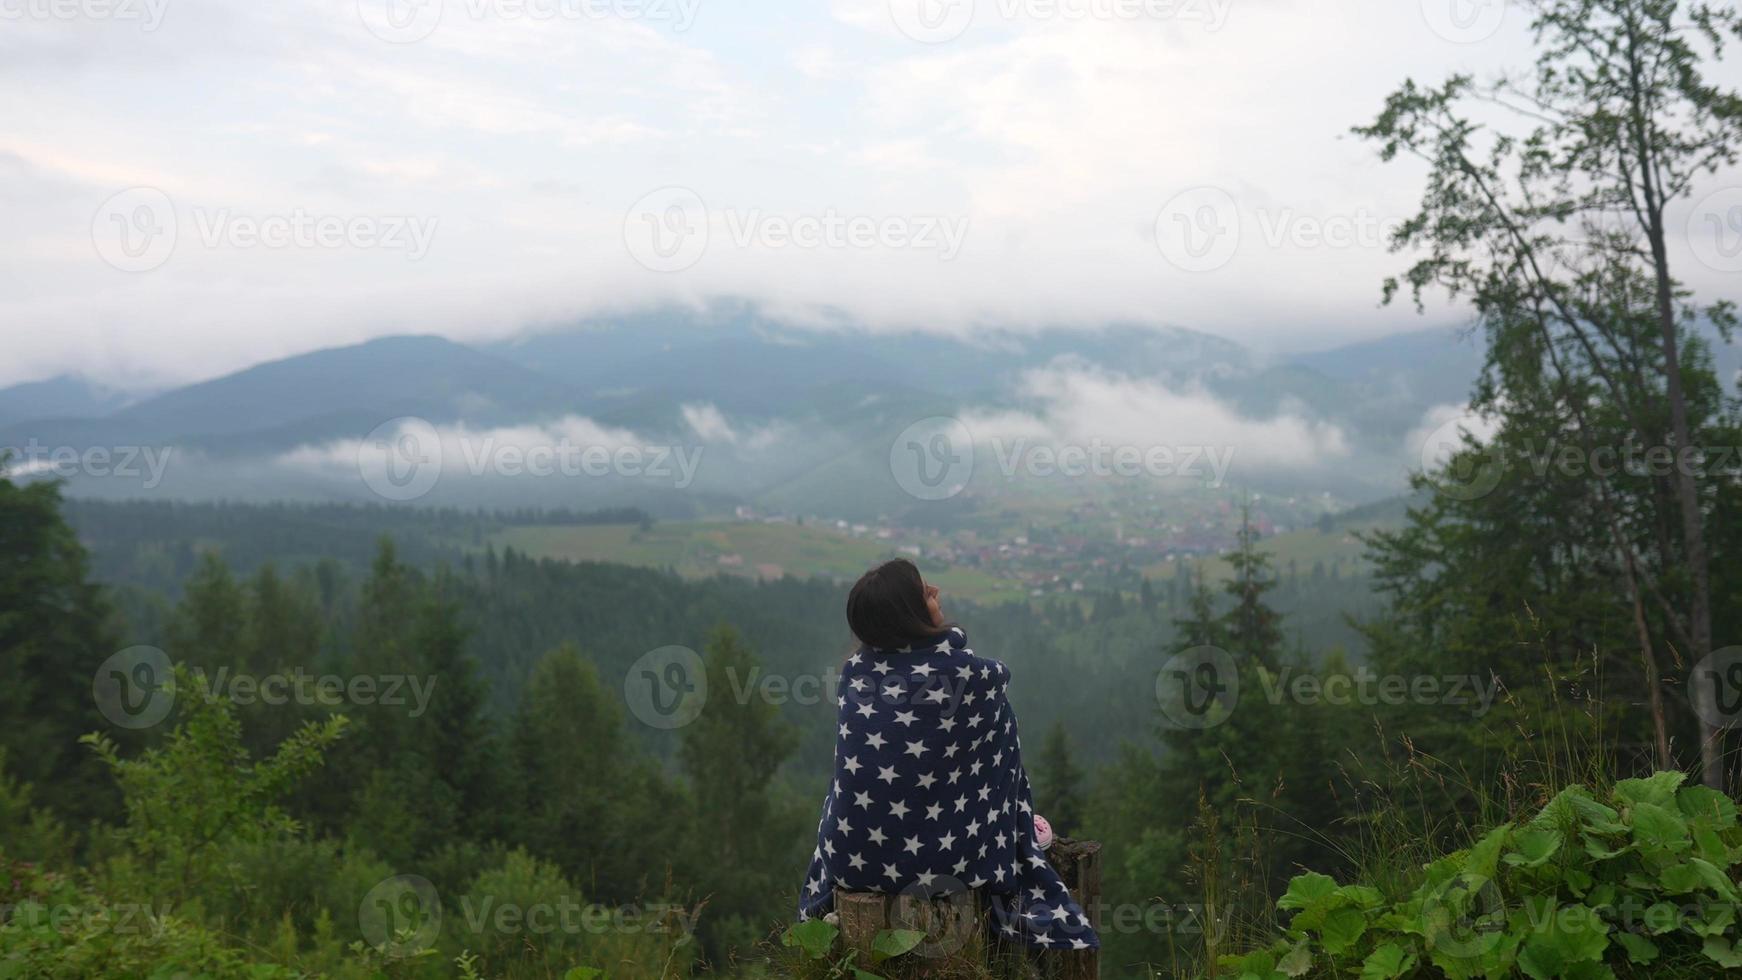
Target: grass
699,549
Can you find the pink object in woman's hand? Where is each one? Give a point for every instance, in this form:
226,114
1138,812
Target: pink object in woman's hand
1042,832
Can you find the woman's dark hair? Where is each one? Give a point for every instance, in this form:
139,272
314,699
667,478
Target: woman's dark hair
886,609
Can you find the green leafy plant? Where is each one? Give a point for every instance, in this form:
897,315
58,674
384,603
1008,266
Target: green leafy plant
1586,888
815,941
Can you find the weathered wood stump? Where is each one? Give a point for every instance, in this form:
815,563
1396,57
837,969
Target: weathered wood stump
961,941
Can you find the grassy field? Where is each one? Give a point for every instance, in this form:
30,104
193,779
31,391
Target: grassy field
1304,548
704,548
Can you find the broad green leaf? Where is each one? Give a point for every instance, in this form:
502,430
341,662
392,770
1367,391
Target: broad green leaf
1534,847
584,973
893,942
1710,846
1679,879
1342,929
1307,890
1707,873
813,936
1601,849
1484,856
1656,828
1707,805
1714,920
1639,949
1719,950
1362,896
1662,917
1658,790
1388,962
1297,961
1574,934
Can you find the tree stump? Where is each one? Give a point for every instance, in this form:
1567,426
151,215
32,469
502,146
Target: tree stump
1078,862
954,927
958,941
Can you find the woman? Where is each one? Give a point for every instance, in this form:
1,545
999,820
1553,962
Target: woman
929,794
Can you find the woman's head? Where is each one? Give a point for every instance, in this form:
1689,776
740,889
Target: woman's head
891,607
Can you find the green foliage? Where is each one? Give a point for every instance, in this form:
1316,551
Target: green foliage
50,928
200,790
55,629
731,753
1585,887
525,919
1058,783
814,941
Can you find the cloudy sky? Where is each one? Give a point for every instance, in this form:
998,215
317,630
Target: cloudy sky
190,186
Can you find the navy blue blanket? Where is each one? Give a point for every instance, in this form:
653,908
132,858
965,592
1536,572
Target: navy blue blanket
930,797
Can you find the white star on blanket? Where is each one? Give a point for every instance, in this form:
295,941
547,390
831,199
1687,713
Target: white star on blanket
930,796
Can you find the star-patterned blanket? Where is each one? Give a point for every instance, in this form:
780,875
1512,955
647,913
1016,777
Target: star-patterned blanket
930,796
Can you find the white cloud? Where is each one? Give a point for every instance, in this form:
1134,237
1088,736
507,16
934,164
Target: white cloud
1442,432
1086,407
529,139
709,423
461,449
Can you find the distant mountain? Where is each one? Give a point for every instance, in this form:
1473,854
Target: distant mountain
336,393
740,361
788,418
65,397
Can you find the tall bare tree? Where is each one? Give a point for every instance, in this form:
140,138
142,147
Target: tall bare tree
1547,206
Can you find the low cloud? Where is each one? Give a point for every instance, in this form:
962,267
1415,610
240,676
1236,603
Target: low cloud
1441,433
461,447
1077,405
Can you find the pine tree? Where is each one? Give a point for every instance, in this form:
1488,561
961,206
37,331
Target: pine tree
585,799
1253,628
1058,783
55,632
209,628
731,753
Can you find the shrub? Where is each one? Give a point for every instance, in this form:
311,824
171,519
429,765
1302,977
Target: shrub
1642,882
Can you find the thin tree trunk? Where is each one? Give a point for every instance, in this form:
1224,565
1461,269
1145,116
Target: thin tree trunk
1687,491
